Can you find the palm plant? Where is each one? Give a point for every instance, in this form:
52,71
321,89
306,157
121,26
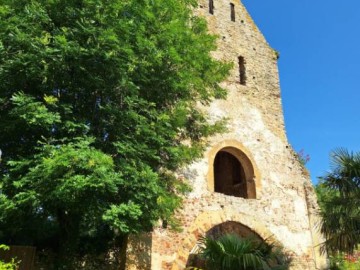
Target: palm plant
339,198
230,252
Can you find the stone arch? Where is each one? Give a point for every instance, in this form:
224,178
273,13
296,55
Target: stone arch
228,227
232,227
251,175
230,177
208,220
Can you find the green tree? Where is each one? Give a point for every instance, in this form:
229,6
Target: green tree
231,252
98,108
339,199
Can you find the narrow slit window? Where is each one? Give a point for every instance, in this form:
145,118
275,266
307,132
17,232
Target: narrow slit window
242,70
211,6
232,9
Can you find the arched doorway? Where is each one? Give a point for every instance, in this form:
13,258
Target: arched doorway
229,175
229,227
234,228
233,174
208,220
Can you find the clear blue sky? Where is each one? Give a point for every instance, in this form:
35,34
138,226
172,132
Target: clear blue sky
319,45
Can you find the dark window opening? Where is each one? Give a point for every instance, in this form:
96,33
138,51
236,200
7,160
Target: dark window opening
211,6
242,70
229,175
232,7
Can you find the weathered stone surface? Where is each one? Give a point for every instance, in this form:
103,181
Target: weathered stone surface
285,205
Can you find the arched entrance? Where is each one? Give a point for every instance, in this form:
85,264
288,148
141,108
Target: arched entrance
209,220
229,175
232,227
234,173
228,227
238,154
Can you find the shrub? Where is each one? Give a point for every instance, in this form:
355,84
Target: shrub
230,252
10,265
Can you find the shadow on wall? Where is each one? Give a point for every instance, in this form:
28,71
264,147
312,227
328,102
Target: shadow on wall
138,253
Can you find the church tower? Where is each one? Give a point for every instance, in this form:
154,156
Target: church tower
249,181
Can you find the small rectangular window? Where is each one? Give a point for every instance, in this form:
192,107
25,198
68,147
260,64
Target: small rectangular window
232,8
242,70
211,6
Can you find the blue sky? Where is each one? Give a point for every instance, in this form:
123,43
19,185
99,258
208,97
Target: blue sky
319,45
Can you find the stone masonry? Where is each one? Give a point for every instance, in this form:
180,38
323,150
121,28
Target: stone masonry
280,203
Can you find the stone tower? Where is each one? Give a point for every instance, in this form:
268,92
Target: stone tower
249,181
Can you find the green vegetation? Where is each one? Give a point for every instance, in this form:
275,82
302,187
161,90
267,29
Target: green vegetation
277,54
10,265
339,199
342,261
96,101
231,252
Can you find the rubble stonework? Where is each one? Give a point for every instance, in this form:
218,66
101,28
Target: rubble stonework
281,202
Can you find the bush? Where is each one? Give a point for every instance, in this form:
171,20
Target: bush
230,252
343,261
10,265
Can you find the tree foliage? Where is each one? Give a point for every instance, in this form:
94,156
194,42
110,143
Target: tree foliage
98,109
12,265
231,252
339,199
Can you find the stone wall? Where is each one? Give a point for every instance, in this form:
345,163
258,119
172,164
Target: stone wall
283,205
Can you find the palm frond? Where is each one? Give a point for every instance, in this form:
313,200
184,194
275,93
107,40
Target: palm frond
230,252
340,202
